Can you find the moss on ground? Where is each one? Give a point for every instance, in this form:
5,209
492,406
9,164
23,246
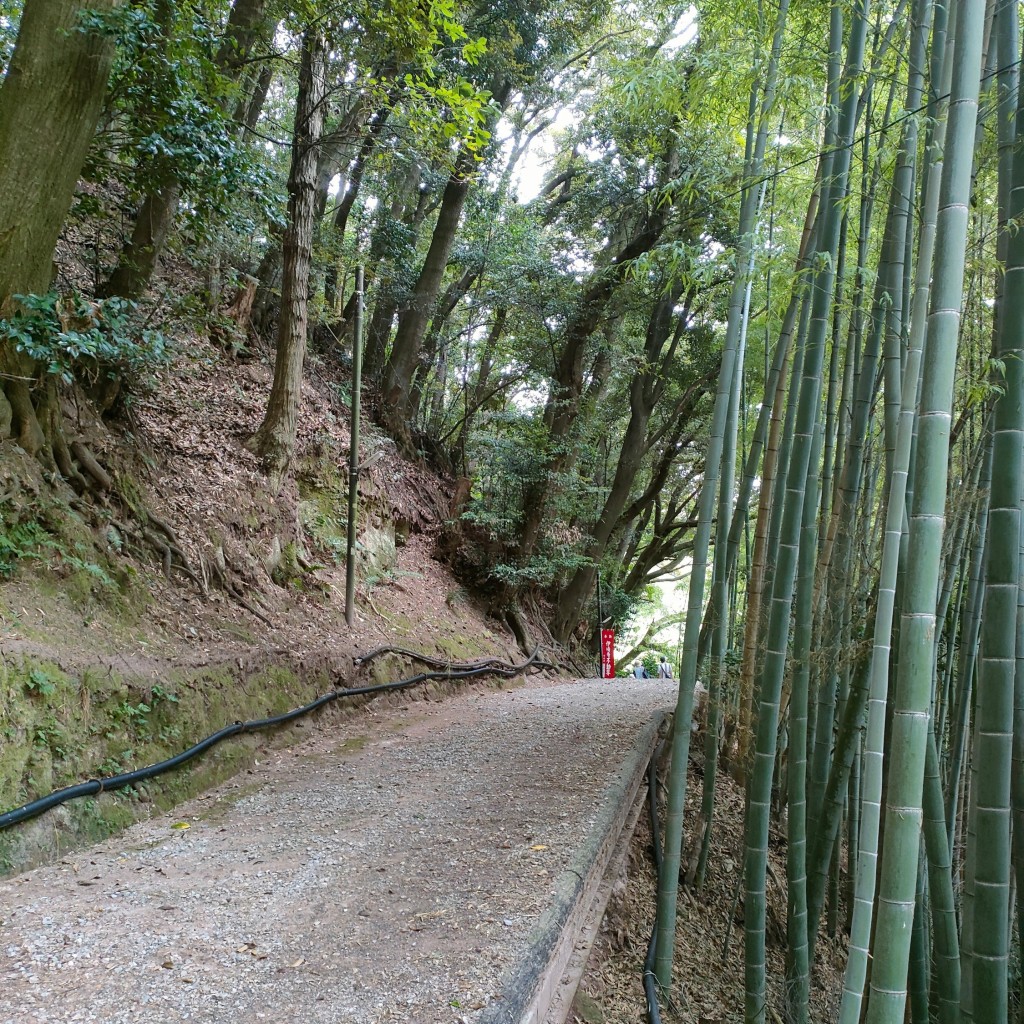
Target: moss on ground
58,728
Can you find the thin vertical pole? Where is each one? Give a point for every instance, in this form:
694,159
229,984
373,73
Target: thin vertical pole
353,455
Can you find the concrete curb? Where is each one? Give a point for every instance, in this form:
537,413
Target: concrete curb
528,989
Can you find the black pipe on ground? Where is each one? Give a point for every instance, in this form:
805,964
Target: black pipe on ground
96,786
650,981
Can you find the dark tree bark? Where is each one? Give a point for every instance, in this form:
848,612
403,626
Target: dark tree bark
155,218
408,207
480,391
268,274
275,439
646,391
413,320
433,344
138,258
563,403
396,411
50,102
351,193
258,99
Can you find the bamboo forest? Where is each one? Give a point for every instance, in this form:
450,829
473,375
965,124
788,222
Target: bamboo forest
705,321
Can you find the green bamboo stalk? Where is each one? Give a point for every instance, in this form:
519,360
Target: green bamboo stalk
759,812
887,997
669,884
832,915
823,819
788,430
798,945
1012,299
721,574
968,648
918,974
760,554
1017,786
853,825
851,723
988,855
871,783
952,569
946,995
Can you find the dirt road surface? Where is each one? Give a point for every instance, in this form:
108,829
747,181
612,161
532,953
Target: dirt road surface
387,870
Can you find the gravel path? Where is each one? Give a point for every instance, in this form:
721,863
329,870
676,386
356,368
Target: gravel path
390,871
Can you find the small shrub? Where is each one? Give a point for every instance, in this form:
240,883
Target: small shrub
67,333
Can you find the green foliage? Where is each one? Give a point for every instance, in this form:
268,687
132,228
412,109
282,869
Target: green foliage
41,682
51,737
67,333
168,110
10,18
20,541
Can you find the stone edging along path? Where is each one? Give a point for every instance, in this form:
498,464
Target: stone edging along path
423,863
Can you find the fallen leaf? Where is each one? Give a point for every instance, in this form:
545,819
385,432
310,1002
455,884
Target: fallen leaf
167,965
539,846
181,825
299,962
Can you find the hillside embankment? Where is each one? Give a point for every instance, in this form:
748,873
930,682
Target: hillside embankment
114,656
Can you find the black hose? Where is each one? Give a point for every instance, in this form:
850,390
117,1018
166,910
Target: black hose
650,981
425,659
96,786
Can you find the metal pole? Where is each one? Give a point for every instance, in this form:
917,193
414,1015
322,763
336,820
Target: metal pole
353,454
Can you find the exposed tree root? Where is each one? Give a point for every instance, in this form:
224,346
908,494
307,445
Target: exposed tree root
89,463
517,623
216,570
88,476
36,420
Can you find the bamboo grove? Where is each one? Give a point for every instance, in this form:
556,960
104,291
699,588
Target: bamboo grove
881,673
759,324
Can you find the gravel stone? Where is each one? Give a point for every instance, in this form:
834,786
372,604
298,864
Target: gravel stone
388,871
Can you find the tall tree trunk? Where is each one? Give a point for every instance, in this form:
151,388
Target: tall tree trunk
275,439
644,393
563,405
50,102
153,224
248,112
413,320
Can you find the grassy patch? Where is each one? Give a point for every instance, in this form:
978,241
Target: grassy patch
57,728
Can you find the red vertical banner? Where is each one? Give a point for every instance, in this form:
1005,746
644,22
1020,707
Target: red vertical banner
607,653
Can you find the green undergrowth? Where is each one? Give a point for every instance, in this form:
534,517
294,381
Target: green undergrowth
58,728
323,515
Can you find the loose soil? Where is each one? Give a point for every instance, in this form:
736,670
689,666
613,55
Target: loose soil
708,962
